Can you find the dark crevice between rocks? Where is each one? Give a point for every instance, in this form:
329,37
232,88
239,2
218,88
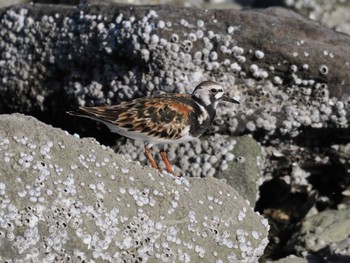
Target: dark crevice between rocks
329,181
286,207
322,137
284,211
307,137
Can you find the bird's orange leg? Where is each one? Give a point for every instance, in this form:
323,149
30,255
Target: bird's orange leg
166,162
150,158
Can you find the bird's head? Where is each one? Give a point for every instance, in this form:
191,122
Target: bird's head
211,93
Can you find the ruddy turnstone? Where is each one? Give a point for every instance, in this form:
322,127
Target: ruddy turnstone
162,119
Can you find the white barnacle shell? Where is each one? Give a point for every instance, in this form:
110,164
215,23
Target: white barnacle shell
323,69
259,54
175,38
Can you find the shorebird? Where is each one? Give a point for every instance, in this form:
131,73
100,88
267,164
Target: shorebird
162,119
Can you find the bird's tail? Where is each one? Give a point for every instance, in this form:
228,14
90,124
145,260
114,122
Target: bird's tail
80,112
100,113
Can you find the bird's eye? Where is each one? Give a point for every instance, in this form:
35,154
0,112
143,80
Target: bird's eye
220,90
213,90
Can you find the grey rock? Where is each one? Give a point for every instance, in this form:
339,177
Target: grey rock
106,54
289,84
5,3
326,233
218,4
290,259
290,74
244,171
64,198
238,160
333,14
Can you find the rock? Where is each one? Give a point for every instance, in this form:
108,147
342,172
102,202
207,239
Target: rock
5,3
244,171
333,14
290,259
287,82
68,199
325,234
112,53
238,160
290,73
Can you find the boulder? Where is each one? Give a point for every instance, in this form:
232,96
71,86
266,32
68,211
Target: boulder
103,54
325,234
63,198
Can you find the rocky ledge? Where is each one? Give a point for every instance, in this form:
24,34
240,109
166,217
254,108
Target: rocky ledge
68,199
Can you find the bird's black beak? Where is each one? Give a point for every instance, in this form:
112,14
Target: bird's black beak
227,98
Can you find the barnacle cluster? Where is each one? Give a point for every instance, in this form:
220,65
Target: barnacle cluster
99,206
203,157
149,54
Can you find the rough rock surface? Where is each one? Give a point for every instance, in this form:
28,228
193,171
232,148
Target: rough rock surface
238,160
327,231
290,84
331,13
290,73
105,54
291,259
64,198
244,172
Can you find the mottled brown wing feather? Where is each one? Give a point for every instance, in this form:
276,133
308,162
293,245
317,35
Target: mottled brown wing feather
163,116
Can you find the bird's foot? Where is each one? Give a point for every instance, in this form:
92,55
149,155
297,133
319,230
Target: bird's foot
167,164
165,160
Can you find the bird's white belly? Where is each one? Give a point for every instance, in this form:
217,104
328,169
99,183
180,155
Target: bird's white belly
185,136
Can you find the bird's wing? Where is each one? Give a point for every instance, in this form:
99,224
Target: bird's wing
163,116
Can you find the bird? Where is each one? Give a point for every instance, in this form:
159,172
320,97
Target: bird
161,119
